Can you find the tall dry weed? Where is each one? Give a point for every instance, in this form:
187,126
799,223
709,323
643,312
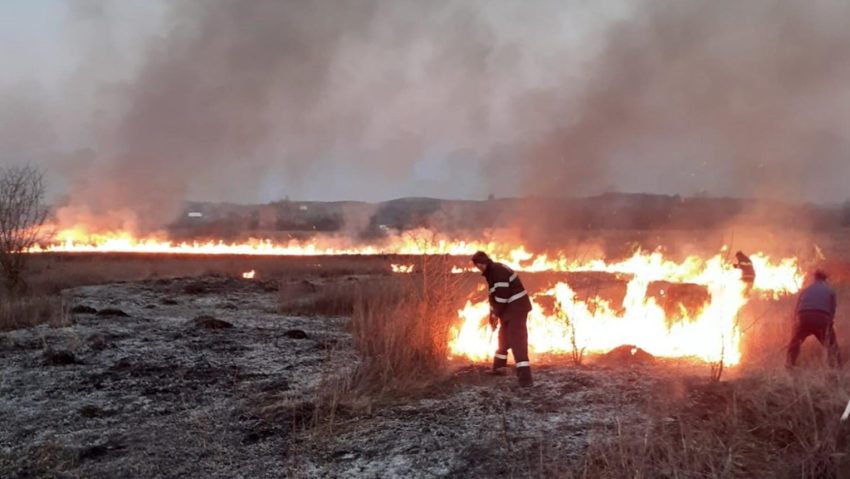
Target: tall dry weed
26,311
772,425
402,332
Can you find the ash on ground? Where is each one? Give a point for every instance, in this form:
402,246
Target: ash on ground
204,378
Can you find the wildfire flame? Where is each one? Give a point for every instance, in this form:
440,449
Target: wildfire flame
249,274
595,325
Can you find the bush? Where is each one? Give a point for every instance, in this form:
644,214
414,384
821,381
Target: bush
402,333
32,310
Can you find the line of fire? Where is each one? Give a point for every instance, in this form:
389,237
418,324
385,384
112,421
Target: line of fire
692,308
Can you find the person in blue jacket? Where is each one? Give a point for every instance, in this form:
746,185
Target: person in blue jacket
815,315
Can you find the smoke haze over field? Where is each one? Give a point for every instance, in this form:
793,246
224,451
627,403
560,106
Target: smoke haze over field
135,106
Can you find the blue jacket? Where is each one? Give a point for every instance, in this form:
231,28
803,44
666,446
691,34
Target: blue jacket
817,297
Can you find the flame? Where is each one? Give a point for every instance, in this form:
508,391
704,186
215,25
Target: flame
596,326
591,323
249,274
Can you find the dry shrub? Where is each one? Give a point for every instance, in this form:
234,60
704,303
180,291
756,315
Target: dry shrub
29,311
402,333
760,426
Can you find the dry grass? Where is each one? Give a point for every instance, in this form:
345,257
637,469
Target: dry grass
765,426
23,312
400,331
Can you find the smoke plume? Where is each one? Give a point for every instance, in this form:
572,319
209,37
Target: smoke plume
246,101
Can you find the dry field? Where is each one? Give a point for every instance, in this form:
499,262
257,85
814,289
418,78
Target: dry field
333,367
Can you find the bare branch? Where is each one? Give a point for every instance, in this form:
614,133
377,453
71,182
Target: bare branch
22,214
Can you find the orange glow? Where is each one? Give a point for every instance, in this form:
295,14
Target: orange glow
402,268
710,334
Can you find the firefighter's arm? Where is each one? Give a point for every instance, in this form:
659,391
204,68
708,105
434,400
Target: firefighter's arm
501,286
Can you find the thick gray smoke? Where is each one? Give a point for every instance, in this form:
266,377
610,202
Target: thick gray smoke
372,99
739,98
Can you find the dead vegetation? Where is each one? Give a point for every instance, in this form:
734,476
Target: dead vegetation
27,311
22,213
758,426
758,421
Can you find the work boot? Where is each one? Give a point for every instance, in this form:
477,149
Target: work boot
524,375
500,363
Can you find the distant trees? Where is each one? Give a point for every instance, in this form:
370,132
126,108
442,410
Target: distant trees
22,214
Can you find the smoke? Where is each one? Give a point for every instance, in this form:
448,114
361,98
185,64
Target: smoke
737,98
250,101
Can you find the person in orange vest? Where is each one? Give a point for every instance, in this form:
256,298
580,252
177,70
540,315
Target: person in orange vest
509,307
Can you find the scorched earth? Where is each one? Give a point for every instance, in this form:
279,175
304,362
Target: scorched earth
204,378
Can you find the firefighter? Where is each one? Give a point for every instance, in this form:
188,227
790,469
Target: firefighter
815,313
748,273
509,305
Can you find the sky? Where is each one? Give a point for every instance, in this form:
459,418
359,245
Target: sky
138,105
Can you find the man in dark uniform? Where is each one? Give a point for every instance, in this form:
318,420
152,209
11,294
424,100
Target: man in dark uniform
510,305
748,273
815,315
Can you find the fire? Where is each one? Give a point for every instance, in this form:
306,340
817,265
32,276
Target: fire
249,274
414,242
595,325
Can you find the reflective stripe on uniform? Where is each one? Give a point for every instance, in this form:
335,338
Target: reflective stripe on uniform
499,285
500,356
523,364
512,298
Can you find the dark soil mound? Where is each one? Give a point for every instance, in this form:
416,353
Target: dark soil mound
195,288
83,309
112,312
209,322
59,358
295,334
627,355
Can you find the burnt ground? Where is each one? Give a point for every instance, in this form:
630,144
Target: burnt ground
204,378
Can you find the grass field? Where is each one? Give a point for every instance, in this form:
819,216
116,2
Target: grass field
758,421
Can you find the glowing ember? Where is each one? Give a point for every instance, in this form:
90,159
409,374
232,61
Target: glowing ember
595,325
249,274
402,268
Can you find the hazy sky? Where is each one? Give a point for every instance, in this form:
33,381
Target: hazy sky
139,104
